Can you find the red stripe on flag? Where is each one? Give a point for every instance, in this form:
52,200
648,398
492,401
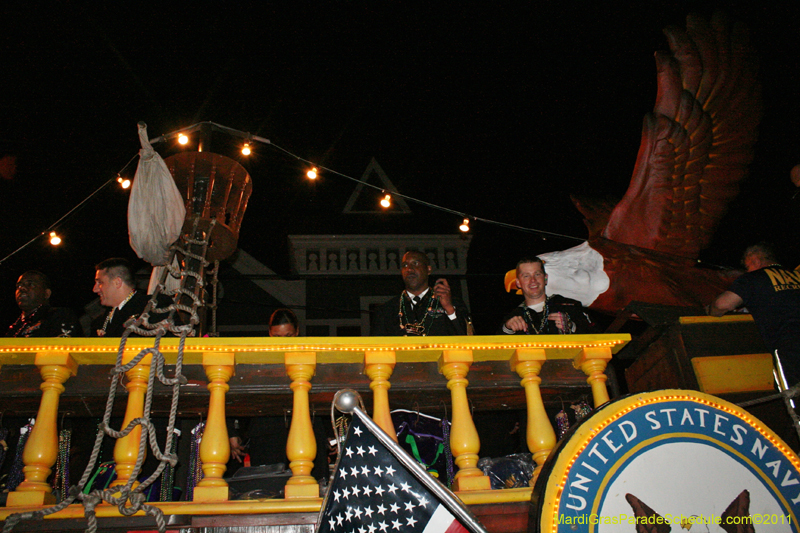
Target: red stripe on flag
456,527
442,521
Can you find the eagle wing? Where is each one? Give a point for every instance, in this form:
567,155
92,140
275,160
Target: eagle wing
696,144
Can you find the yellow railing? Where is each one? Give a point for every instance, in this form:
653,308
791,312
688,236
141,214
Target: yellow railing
59,360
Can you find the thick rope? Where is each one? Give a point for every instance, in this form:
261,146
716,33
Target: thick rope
213,305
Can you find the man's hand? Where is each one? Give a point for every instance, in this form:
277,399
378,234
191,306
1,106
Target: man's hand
442,291
237,450
563,323
516,323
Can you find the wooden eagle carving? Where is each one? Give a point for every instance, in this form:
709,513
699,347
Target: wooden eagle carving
696,146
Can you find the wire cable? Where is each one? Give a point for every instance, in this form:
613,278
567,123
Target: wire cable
57,222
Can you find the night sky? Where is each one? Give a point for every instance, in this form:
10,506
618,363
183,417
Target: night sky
500,112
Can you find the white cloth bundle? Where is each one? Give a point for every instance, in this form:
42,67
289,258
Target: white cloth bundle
156,208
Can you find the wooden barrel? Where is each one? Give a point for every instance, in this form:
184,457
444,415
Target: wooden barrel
216,188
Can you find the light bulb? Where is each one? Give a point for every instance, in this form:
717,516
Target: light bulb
246,149
386,201
55,240
123,182
183,139
312,174
464,225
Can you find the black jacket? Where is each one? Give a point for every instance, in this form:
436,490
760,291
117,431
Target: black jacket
386,320
133,308
46,322
555,304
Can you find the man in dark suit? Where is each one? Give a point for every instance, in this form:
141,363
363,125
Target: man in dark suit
115,285
267,435
38,318
420,310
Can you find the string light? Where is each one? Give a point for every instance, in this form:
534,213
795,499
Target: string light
55,240
246,149
386,201
123,182
312,174
69,213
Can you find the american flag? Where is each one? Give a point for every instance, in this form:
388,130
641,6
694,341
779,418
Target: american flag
373,492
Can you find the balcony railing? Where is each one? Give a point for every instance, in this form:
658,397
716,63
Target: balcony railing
375,254
487,372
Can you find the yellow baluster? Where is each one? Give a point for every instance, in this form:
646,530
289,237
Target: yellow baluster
593,361
379,367
126,449
41,448
215,448
541,438
464,441
301,447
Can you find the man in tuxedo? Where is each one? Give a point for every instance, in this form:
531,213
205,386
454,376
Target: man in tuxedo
420,310
114,284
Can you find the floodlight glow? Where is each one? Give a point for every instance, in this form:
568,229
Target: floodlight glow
464,225
183,139
246,149
55,240
386,201
312,174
